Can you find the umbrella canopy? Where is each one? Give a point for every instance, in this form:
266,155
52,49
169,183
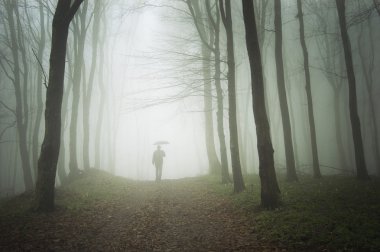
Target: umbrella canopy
161,142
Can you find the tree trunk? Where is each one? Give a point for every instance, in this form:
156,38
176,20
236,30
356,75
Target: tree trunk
20,94
313,137
234,144
79,40
368,73
355,121
47,163
270,191
206,48
287,130
88,94
219,94
37,123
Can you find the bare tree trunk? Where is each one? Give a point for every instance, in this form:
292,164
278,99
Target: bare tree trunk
79,40
102,91
88,94
206,48
289,152
219,95
355,121
20,94
313,135
47,163
40,53
234,143
270,191
369,88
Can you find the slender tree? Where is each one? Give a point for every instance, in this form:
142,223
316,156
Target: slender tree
47,163
206,49
287,130
17,73
40,81
313,137
353,106
234,144
269,188
80,30
215,23
368,67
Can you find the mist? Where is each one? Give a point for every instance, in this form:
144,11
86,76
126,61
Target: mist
250,95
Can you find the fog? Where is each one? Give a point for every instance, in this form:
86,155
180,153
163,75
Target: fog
148,87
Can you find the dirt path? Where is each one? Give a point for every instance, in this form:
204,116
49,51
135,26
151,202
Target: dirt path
182,215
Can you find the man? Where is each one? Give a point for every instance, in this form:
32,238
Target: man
157,160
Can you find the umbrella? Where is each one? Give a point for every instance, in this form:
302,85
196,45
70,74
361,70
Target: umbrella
161,142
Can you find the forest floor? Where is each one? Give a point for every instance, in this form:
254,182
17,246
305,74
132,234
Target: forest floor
100,212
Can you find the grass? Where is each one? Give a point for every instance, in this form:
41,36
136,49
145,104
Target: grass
334,213
93,187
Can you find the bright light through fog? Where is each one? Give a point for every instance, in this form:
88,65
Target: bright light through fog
136,77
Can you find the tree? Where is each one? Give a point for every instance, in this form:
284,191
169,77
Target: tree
234,144
269,187
287,130
313,137
47,163
87,94
369,84
353,107
40,105
17,73
80,30
206,48
215,23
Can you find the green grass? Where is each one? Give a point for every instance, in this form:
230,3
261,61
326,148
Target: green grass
334,213
91,188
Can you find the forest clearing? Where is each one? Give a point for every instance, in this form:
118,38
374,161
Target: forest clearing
101,212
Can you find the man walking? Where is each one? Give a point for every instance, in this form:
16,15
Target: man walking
157,160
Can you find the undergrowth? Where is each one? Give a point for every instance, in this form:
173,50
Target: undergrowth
333,213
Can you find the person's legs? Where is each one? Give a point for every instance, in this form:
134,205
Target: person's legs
157,172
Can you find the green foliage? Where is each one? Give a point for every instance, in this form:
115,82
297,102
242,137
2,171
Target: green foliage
334,213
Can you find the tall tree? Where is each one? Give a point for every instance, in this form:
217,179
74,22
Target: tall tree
353,107
215,23
17,73
80,30
313,137
41,40
206,48
287,130
47,163
87,94
269,188
234,144
368,67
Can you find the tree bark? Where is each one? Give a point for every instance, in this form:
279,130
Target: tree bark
214,164
79,40
219,95
368,73
287,130
20,94
354,117
270,191
88,94
234,143
313,137
40,81
47,163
